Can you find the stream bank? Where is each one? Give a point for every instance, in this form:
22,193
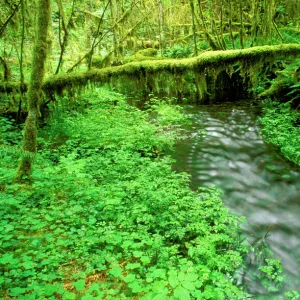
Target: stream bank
224,147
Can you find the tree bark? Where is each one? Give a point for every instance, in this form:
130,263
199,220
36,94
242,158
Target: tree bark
35,89
22,82
194,27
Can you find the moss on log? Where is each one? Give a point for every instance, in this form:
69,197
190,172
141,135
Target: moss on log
218,60
211,61
12,87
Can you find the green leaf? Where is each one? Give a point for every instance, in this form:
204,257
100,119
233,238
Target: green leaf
116,271
160,297
160,287
6,258
136,287
69,296
137,253
145,260
89,297
191,277
50,289
28,265
8,228
129,278
79,285
173,280
94,287
188,285
16,291
182,293
181,276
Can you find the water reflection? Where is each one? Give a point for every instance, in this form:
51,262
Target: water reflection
224,148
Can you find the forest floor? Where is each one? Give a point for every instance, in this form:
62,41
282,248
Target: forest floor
104,216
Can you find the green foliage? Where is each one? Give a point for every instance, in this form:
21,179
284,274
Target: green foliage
284,86
178,51
164,113
272,275
292,295
281,128
8,133
105,217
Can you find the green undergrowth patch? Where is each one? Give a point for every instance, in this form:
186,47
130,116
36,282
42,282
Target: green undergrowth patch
281,128
106,218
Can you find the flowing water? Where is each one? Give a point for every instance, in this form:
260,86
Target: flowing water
224,147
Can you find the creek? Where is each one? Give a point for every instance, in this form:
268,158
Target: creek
223,147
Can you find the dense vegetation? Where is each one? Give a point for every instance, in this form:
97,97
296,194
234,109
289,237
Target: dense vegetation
105,216
90,208
281,117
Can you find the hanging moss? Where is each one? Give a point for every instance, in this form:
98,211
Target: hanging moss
212,60
12,87
296,76
274,90
201,84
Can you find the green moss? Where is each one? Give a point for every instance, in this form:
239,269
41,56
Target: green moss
138,57
148,52
296,76
35,88
217,60
11,87
275,89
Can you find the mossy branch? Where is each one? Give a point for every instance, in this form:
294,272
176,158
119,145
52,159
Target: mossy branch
211,59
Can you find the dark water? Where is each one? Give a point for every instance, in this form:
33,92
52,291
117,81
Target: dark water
223,147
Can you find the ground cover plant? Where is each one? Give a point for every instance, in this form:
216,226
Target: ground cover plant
105,216
281,128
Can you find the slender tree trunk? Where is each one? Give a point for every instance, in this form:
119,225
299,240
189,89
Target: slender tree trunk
97,36
6,69
194,27
113,13
255,18
241,29
22,83
161,27
63,43
35,89
230,24
221,26
269,9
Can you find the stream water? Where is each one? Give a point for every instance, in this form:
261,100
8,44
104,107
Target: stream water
223,147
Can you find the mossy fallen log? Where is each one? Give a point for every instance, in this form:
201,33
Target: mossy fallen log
211,61
208,61
11,87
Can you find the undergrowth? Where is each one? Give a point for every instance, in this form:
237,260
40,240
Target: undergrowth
281,128
105,217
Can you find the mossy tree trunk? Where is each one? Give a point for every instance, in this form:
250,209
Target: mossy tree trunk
194,27
22,81
35,88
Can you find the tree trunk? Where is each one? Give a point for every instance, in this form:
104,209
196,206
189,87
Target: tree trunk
35,89
194,28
